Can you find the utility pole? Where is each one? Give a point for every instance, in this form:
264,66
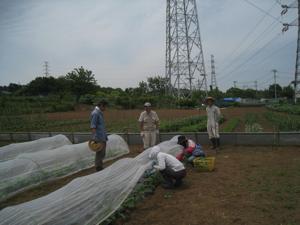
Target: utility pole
213,73
46,69
234,84
297,69
275,84
185,69
296,22
256,87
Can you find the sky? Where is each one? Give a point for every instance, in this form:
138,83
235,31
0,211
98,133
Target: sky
123,42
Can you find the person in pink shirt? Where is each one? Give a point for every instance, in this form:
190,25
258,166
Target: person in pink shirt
190,151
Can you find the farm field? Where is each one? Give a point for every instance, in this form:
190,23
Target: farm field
250,185
238,119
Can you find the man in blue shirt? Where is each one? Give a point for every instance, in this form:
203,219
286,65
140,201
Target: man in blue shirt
99,132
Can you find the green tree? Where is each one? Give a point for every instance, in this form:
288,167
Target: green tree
234,92
288,92
157,85
82,82
14,87
143,88
272,90
42,86
63,87
216,93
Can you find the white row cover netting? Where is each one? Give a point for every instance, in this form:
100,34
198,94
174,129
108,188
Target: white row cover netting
13,150
86,200
30,169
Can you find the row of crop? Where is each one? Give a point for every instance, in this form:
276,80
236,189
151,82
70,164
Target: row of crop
251,123
189,124
37,123
231,125
29,106
287,108
179,124
284,123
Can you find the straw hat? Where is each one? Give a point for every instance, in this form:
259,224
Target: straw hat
209,98
95,146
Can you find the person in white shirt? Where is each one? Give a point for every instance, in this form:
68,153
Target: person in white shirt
171,169
149,125
213,117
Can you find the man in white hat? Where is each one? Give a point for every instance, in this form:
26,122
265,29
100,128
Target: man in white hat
213,117
149,126
171,169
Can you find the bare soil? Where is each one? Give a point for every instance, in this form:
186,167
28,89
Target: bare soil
251,185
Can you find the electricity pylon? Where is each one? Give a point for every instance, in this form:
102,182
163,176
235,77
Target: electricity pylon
296,22
185,69
46,69
213,84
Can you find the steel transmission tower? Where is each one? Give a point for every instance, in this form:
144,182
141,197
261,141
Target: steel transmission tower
46,69
213,84
296,22
185,69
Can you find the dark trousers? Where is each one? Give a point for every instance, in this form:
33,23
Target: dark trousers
172,178
99,159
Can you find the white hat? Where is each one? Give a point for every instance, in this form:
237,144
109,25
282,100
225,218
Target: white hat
154,151
147,104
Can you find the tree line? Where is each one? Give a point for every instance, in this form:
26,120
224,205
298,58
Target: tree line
80,86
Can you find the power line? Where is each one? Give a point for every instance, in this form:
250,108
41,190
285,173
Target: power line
246,37
250,58
268,57
264,11
257,40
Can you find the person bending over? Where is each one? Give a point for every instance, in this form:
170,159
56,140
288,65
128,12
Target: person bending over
171,169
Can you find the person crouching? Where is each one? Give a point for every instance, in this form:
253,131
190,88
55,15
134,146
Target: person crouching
190,151
171,169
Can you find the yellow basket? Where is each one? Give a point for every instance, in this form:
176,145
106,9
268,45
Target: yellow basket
204,164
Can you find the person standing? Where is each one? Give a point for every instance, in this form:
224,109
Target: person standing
213,117
149,126
99,132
